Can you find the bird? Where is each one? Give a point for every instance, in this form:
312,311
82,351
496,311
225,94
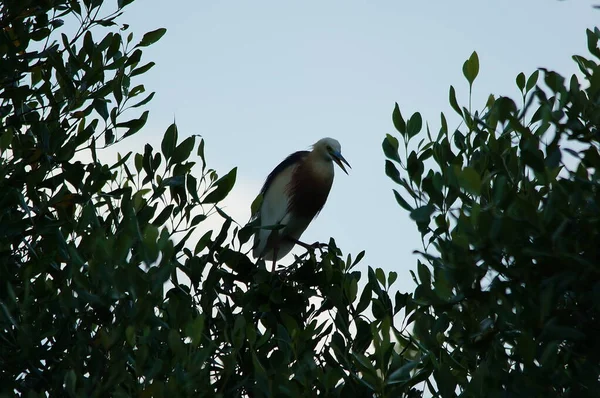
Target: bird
292,196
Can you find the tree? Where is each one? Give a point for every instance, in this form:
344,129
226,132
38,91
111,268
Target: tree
508,207
106,291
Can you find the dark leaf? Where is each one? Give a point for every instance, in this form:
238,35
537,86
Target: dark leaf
151,37
222,187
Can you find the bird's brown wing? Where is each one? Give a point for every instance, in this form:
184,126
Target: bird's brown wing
274,207
308,191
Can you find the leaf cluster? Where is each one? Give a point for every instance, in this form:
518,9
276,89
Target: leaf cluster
508,207
110,282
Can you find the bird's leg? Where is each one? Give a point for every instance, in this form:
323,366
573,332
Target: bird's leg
274,258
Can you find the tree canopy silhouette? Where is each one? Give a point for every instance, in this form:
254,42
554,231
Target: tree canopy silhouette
112,285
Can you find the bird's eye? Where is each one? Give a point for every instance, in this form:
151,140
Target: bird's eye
329,148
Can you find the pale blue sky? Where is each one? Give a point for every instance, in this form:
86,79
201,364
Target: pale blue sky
259,80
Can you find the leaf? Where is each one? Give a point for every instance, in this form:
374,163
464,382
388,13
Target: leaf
5,140
415,168
392,172
400,301
415,123
471,68
163,216
222,187
151,37
365,299
101,108
203,242
424,273
169,141
453,102
109,137
422,214
390,147
592,43
403,203
402,374
351,289
134,125
521,81
532,80
144,101
380,275
192,187
142,69
470,180
256,204
398,121
445,380
183,150
392,276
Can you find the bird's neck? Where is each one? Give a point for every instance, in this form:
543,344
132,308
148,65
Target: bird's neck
320,167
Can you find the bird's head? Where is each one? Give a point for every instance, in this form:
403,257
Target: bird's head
331,150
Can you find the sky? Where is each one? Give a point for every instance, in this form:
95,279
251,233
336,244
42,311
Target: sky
260,80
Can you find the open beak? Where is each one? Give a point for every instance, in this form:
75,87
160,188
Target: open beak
340,161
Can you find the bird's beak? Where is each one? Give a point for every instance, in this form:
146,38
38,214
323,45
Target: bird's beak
339,160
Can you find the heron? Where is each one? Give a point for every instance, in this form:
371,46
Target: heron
292,196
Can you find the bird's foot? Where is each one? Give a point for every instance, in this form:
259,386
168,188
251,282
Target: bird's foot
310,248
319,245
316,245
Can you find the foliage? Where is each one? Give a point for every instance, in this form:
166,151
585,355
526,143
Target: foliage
105,288
111,284
508,206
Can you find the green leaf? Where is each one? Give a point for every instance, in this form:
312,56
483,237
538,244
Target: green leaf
390,147
521,81
380,275
144,101
402,374
532,80
445,380
109,137
469,180
151,37
398,121
471,68
169,141
192,187
415,123
134,125
392,172
453,101
351,289
163,216
414,167
101,108
183,150
403,203
142,69
365,299
359,257
422,214
592,43
424,273
203,242
392,276
256,204
222,187
5,140
194,329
